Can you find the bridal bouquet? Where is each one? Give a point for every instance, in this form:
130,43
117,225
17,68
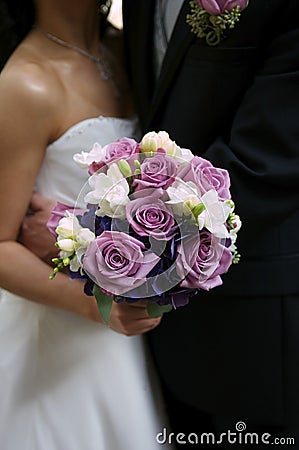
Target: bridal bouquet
159,225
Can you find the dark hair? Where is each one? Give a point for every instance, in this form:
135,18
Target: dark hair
17,18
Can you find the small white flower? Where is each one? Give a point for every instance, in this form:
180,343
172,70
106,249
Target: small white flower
207,209
75,264
184,196
67,226
152,141
235,222
71,236
110,192
66,245
84,237
215,214
84,159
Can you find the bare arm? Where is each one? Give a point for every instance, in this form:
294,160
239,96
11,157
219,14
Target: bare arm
27,125
26,128
34,233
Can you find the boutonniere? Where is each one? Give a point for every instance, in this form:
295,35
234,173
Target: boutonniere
210,18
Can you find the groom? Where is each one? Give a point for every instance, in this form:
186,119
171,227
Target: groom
232,354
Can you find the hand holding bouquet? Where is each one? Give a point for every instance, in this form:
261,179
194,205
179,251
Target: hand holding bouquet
159,225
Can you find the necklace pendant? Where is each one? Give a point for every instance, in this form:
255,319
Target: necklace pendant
106,74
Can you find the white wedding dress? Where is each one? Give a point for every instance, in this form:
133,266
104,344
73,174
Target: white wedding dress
67,383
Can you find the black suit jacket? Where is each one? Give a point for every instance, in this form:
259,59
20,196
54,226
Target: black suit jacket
236,104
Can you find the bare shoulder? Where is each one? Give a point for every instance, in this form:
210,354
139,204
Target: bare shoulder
31,93
28,83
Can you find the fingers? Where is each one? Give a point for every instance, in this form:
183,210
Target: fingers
138,309
136,328
126,319
140,304
140,326
131,320
39,202
36,201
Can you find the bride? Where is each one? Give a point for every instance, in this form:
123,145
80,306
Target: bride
67,382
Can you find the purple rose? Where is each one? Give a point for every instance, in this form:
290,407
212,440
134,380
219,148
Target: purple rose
158,171
215,7
124,148
58,212
202,262
117,262
121,149
148,215
202,173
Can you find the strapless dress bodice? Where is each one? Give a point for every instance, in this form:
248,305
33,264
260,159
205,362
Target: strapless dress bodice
60,178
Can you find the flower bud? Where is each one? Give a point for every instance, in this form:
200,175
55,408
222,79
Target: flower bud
125,168
67,227
234,222
150,142
198,209
66,245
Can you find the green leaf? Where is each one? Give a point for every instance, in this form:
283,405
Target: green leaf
104,303
154,310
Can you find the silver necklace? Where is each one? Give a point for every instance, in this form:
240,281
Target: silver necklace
101,63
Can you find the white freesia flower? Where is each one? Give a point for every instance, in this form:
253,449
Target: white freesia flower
72,237
84,159
68,226
235,224
184,196
208,210
110,192
84,237
215,214
82,240
67,245
75,264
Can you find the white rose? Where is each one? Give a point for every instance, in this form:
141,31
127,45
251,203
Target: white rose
152,141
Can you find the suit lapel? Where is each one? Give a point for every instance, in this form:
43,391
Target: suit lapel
180,41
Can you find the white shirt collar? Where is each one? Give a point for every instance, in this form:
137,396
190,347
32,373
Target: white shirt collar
166,14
